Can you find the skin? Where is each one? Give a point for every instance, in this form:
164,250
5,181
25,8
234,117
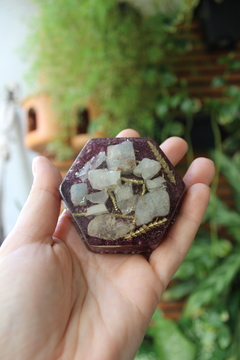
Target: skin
60,301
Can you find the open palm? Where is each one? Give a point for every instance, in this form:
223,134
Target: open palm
60,301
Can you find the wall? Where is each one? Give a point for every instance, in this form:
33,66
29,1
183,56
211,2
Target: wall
15,176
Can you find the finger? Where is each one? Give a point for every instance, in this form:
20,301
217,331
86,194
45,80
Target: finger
174,148
169,255
40,213
128,133
66,232
200,171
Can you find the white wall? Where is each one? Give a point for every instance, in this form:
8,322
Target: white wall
14,17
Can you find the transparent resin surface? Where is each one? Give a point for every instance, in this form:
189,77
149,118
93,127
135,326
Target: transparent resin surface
122,194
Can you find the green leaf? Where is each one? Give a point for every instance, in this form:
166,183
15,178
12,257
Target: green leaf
222,248
236,159
224,336
232,91
218,81
175,100
214,285
186,270
168,79
222,213
177,292
170,342
146,350
188,106
235,65
162,109
228,113
176,129
232,173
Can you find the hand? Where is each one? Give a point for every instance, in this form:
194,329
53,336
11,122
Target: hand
60,301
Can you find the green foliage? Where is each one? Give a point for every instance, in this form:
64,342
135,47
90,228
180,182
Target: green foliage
166,340
210,277
218,282
210,331
87,49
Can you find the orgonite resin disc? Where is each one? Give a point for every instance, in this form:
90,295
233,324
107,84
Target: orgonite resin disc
122,194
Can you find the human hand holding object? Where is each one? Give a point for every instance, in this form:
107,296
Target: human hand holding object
61,301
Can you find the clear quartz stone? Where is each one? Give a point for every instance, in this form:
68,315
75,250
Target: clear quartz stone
97,210
101,179
151,205
92,164
109,227
121,157
78,194
128,205
99,197
124,192
147,168
125,198
158,182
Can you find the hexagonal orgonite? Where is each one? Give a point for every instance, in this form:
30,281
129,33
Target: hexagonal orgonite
123,194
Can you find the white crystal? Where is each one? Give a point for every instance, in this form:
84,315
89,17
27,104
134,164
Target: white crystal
99,197
158,182
147,168
109,227
124,192
121,157
97,210
150,205
92,164
126,200
128,205
101,179
78,194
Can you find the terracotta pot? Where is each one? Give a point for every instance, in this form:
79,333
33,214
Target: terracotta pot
43,126
91,112
41,122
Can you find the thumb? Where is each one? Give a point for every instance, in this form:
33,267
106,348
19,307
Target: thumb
40,213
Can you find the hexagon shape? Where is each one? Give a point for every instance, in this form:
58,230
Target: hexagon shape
123,194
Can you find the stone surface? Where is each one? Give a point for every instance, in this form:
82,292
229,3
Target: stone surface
121,157
147,169
140,209
99,197
158,182
151,205
109,227
126,200
92,164
124,192
104,179
96,210
78,194
128,205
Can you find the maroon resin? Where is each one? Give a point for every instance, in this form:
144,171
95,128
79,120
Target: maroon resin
143,243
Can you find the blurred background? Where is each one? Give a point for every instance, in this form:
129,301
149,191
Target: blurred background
72,70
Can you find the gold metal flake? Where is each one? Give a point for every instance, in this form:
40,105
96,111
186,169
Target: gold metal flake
134,181
144,189
130,217
145,228
80,214
162,162
114,201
